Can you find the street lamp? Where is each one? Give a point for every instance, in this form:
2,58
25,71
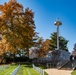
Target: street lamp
57,23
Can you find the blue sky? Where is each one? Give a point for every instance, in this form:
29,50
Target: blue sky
46,12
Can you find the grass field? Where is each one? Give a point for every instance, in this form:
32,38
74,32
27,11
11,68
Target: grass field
74,72
27,70
42,67
8,70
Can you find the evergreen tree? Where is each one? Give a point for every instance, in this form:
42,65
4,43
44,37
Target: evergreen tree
62,42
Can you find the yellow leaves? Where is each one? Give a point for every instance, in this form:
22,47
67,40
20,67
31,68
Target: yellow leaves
44,47
2,47
1,7
17,26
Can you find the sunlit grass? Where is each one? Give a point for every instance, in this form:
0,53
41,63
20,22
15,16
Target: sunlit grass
27,70
74,72
8,70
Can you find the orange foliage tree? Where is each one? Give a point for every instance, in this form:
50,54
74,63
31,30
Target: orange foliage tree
43,47
17,26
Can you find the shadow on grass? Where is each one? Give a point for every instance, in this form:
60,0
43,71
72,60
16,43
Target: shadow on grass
29,65
41,66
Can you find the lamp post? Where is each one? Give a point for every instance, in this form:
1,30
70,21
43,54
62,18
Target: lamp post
57,23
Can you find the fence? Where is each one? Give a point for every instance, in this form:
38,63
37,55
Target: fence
41,71
15,71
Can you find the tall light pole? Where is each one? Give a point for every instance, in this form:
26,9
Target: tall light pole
57,23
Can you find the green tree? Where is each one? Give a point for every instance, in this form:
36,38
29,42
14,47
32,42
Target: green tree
62,42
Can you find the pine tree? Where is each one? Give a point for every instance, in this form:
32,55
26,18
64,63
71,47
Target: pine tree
62,42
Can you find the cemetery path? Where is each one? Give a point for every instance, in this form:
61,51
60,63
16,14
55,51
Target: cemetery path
58,72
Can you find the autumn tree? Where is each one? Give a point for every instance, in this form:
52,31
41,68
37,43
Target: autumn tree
17,26
46,45
42,46
62,42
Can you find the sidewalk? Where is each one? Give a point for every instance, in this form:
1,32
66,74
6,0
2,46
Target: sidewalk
58,72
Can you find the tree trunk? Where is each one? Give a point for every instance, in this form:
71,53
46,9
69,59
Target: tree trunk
13,57
28,52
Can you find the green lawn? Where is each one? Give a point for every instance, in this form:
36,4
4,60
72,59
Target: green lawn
8,70
27,70
74,72
42,67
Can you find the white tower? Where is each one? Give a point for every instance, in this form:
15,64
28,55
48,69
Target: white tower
57,23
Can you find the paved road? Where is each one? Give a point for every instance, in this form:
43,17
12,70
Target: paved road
58,72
